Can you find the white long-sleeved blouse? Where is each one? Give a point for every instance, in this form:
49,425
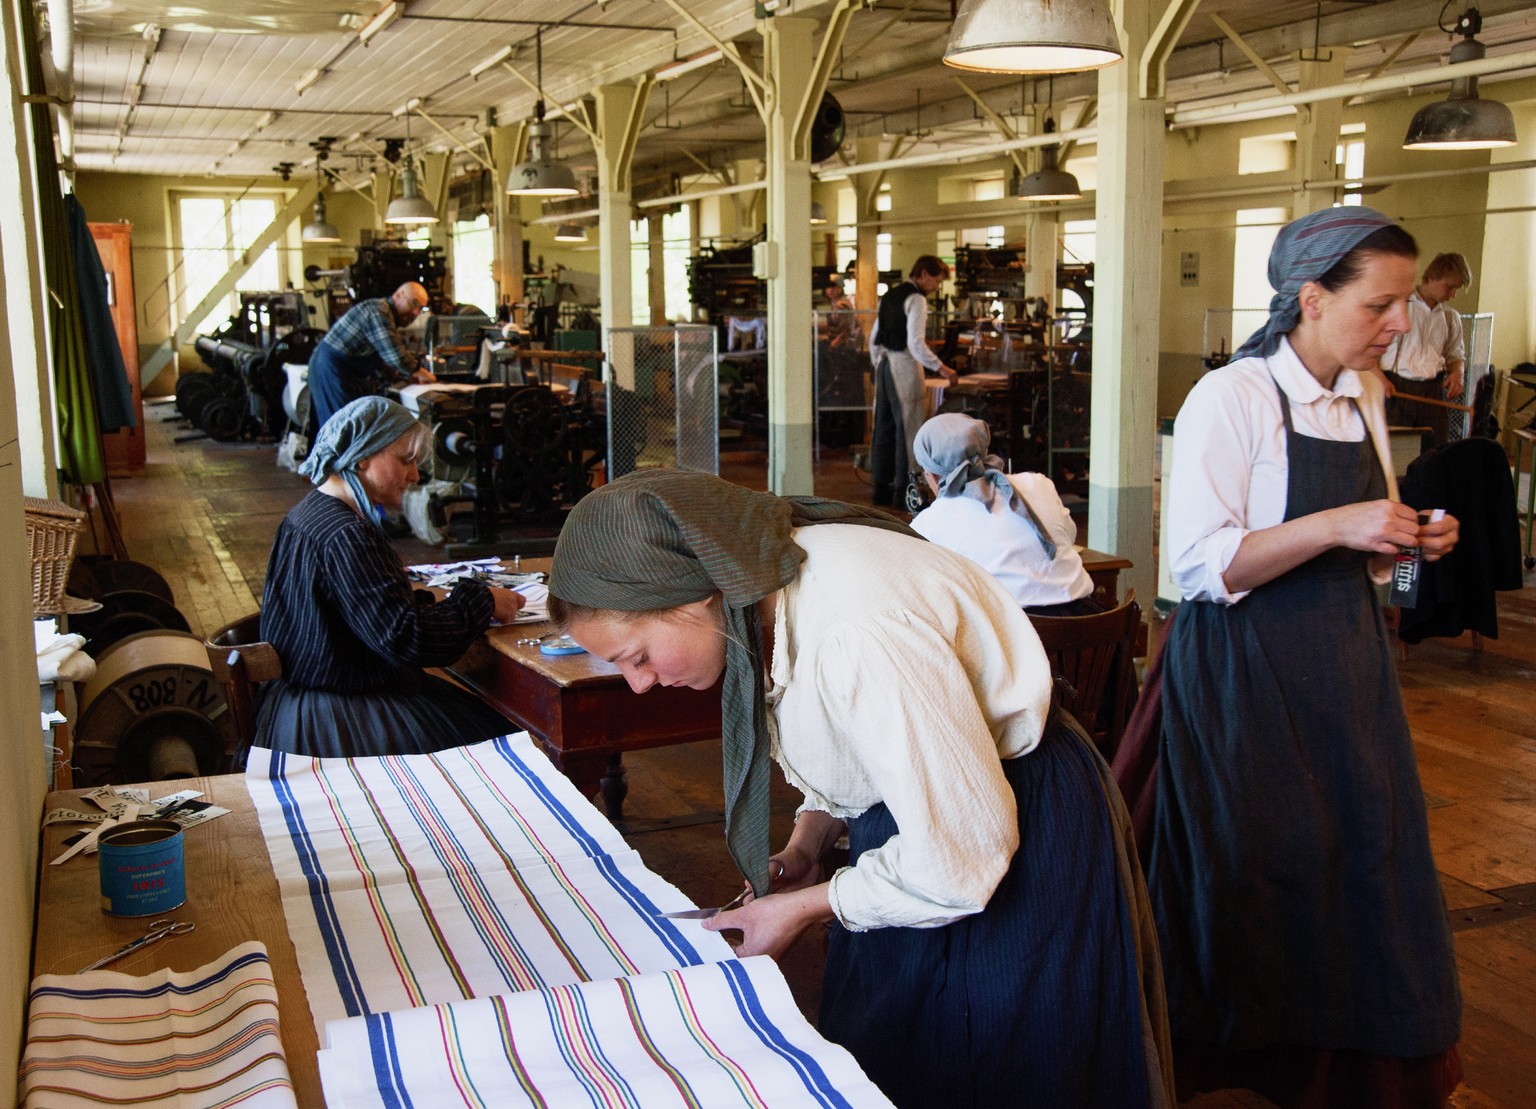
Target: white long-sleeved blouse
903,673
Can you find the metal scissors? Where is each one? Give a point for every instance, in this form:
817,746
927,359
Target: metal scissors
158,930
705,914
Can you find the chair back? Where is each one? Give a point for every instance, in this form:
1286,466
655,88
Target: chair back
1094,657
241,660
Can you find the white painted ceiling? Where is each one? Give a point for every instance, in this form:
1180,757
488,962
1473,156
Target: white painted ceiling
208,87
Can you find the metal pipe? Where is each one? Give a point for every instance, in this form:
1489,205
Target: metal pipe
61,48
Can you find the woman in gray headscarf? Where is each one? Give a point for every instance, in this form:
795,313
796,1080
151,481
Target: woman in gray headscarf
1014,525
1303,931
352,633
992,943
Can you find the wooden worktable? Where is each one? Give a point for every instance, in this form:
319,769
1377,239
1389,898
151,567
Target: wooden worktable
232,897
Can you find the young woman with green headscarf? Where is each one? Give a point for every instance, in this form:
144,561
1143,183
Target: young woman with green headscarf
352,633
991,941
1304,934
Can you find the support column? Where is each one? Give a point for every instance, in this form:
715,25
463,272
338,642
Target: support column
656,278
509,146
1043,252
1317,129
618,112
788,58
866,271
1129,215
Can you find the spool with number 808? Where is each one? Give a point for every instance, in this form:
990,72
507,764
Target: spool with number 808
154,710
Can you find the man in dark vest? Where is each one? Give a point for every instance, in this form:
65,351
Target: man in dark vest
363,352
898,347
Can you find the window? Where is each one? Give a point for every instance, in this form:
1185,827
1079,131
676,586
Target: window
883,253
1077,240
212,231
1350,156
676,232
1256,231
474,252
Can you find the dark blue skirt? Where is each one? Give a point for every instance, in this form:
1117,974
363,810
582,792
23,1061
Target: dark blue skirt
430,716
1034,1001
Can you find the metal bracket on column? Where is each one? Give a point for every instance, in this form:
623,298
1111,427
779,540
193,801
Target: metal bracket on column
616,153
581,125
460,143
1153,78
821,73
757,85
1002,125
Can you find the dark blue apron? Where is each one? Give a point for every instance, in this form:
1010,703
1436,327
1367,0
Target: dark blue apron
336,379
1290,871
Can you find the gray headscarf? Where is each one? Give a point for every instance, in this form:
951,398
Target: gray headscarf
356,431
1305,249
656,539
954,446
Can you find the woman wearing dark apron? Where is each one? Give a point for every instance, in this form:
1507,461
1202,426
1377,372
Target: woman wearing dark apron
1304,936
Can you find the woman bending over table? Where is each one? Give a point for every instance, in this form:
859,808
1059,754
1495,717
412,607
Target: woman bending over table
352,633
992,945
1303,930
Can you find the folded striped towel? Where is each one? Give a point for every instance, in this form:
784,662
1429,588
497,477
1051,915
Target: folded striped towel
199,1040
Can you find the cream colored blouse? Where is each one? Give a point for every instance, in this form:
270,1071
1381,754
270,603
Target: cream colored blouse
902,673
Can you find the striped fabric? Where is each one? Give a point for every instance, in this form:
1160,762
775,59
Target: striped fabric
713,1036
207,1038
418,880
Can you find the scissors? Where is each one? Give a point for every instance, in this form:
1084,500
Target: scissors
705,914
158,930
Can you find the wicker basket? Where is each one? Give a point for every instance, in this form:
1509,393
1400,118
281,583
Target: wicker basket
52,529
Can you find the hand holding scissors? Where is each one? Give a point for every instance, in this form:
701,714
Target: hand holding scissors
158,930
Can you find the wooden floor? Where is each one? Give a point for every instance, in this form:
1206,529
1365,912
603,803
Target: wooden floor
204,514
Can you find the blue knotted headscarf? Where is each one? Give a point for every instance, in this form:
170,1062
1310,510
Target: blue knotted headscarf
1305,249
356,431
953,446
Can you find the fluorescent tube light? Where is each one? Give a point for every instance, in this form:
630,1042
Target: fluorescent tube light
308,80
494,60
688,65
381,19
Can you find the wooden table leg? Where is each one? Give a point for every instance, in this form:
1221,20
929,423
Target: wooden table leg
615,788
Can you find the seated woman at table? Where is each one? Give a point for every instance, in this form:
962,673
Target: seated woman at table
1014,525
992,933
352,633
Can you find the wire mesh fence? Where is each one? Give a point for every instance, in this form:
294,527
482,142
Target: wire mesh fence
662,388
1477,331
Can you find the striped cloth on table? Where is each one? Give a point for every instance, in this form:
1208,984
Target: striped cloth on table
422,879
198,1040
713,1036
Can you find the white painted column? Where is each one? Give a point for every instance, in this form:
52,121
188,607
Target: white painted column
25,283
616,106
1129,217
1317,129
509,146
866,186
789,55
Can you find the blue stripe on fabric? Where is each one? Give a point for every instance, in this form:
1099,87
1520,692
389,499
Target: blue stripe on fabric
348,982
386,1063
662,927
579,998
565,1048
817,1084
156,990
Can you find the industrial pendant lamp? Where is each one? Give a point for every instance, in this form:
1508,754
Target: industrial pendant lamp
320,229
570,233
410,208
1463,121
538,176
818,214
1032,36
1048,182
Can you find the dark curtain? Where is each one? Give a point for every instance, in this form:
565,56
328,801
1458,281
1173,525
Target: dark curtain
104,354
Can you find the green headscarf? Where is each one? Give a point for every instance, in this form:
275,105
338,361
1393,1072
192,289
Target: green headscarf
657,539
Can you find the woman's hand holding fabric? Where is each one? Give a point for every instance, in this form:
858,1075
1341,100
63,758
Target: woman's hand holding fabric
1439,538
1377,526
507,604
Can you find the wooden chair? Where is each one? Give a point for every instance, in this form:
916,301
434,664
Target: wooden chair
240,660
1095,657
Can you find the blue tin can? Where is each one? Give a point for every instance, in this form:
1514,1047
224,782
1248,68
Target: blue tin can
141,866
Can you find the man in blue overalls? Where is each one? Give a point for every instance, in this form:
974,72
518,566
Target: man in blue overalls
363,352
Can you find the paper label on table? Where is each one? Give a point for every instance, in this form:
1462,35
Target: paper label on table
73,816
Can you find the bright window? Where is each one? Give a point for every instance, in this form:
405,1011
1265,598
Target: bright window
474,250
1077,240
1350,155
212,231
1256,231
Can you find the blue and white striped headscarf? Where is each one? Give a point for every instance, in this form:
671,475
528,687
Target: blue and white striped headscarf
358,430
953,446
1305,249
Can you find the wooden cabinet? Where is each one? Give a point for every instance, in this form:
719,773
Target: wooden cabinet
124,449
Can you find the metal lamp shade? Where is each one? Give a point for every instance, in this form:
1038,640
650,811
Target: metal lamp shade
818,213
1047,183
1462,121
570,233
319,229
1032,36
538,176
410,208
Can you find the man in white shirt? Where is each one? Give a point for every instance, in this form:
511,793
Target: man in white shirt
898,349
1430,359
